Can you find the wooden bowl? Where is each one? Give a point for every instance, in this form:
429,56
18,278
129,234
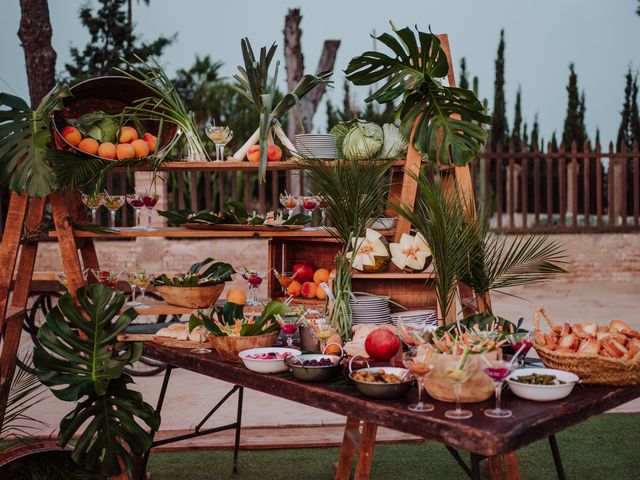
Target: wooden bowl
190,297
477,388
229,347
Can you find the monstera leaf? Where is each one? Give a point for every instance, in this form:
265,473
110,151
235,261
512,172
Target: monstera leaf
89,371
453,116
25,138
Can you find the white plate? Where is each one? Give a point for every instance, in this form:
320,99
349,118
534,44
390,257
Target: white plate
266,366
542,393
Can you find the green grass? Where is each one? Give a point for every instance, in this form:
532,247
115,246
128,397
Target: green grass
604,448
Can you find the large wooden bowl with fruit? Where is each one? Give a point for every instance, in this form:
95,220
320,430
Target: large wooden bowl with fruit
91,122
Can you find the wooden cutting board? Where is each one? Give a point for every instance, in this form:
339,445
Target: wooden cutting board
135,337
175,343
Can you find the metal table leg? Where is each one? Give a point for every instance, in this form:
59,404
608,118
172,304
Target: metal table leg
475,466
456,456
553,443
236,445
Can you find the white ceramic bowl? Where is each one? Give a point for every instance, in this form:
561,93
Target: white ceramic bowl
275,365
542,393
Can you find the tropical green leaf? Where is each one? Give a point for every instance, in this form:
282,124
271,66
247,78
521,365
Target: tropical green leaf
89,371
484,321
414,71
266,322
200,274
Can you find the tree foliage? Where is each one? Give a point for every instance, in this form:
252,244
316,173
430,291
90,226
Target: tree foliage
111,38
350,110
629,129
574,128
516,131
499,125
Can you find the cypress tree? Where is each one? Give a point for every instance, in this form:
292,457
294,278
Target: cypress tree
499,126
464,81
554,142
516,131
111,37
525,134
635,114
574,129
535,134
597,136
625,131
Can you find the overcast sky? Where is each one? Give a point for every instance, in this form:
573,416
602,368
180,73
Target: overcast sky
602,37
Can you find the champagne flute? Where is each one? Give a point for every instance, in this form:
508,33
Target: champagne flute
458,372
142,281
131,279
149,200
136,202
93,202
202,332
113,204
220,136
289,202
498,371
418,361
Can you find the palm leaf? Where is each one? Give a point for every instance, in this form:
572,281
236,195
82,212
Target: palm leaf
89,372
414,71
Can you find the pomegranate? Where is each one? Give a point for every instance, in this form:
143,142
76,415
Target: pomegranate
303,272
381,344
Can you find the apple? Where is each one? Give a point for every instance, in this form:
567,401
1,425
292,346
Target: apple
253,154
308,290
274,153
303,271
381,344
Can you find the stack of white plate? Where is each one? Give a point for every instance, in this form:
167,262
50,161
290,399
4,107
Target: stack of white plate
417,319
370,309
316,145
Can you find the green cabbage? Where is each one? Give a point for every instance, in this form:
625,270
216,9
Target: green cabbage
395,145
363,141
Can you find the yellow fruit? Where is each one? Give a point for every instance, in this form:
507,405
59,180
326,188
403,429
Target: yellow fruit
141,148
294,288
321,275
125,151
107,150
127,135
89,145
320,293
236,296
332,345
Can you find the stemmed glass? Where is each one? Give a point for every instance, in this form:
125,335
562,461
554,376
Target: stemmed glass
142,281
131,279
220,136
309,203
322,205
113,204
322,330
418,361
254,279
93,202
136,202
289,202
521,340
498,371
202,332
149,200
285,279
458,372
106,277
289,328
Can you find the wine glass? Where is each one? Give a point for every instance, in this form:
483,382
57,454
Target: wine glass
149,201
418,361
322,330
289,328
522,340
113,204
93,202
285,279
131,279
498,371
202,332
220,136
142,281
322,205
254,279
289,202
136,202
309,203
106,277
458,372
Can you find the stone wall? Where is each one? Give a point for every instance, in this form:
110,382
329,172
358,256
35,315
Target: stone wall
592,257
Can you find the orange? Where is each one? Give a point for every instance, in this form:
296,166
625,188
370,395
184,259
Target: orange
128,135
88,145
236,296
321,275
125,151
294,289
141,148
107,150
320,293
72,135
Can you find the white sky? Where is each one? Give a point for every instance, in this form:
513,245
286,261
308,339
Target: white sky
602,37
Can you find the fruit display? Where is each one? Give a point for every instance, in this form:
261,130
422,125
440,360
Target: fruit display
100,134
382,344
356,346
369,253
411,253
304,281
274,153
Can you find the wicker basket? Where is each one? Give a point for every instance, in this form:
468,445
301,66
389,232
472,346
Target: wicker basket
229,347
592,369
190,297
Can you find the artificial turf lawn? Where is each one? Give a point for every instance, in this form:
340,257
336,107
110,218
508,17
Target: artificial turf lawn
606,447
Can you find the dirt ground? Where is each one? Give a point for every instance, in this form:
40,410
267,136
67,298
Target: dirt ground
190,395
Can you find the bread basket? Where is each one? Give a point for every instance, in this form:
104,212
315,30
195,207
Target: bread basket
591,368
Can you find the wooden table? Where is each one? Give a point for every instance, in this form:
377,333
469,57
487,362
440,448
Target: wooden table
482,436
